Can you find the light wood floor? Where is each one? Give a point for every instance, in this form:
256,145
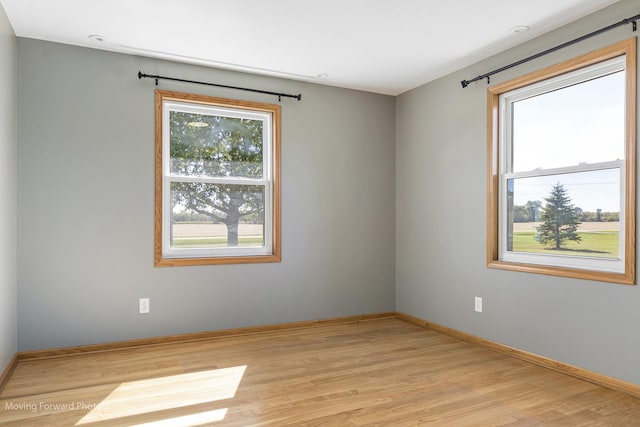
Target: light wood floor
381,372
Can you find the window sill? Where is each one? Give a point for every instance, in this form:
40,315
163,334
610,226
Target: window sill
624,279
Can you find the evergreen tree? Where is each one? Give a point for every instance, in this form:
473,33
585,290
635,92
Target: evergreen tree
559,219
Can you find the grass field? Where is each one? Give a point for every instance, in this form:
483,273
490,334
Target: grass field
199,234
212,242
598,240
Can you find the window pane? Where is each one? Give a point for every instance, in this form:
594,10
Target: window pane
583,123
574,214
214,215
215,146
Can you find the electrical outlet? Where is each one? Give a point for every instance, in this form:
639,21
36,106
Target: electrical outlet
478,304
143,305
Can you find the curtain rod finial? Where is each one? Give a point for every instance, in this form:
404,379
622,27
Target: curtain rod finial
464,83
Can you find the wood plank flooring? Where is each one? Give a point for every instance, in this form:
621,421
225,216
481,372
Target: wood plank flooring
383,372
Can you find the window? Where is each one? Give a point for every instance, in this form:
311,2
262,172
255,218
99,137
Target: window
561,171
217,181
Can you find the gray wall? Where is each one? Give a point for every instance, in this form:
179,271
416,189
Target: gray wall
441,217
8,194
85,164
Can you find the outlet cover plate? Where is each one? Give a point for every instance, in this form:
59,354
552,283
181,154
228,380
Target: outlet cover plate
478,304
143,305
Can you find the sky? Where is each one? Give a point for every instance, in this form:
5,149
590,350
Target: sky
579,124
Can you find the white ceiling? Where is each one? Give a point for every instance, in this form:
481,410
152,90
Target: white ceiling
383,46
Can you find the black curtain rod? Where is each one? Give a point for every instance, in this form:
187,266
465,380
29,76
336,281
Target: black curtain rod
278,94
631,20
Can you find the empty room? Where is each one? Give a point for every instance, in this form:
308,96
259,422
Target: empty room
336,213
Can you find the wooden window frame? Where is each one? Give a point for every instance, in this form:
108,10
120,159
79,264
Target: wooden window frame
160,260
626,48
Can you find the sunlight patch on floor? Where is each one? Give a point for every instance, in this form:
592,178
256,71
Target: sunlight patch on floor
165,393
192,420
